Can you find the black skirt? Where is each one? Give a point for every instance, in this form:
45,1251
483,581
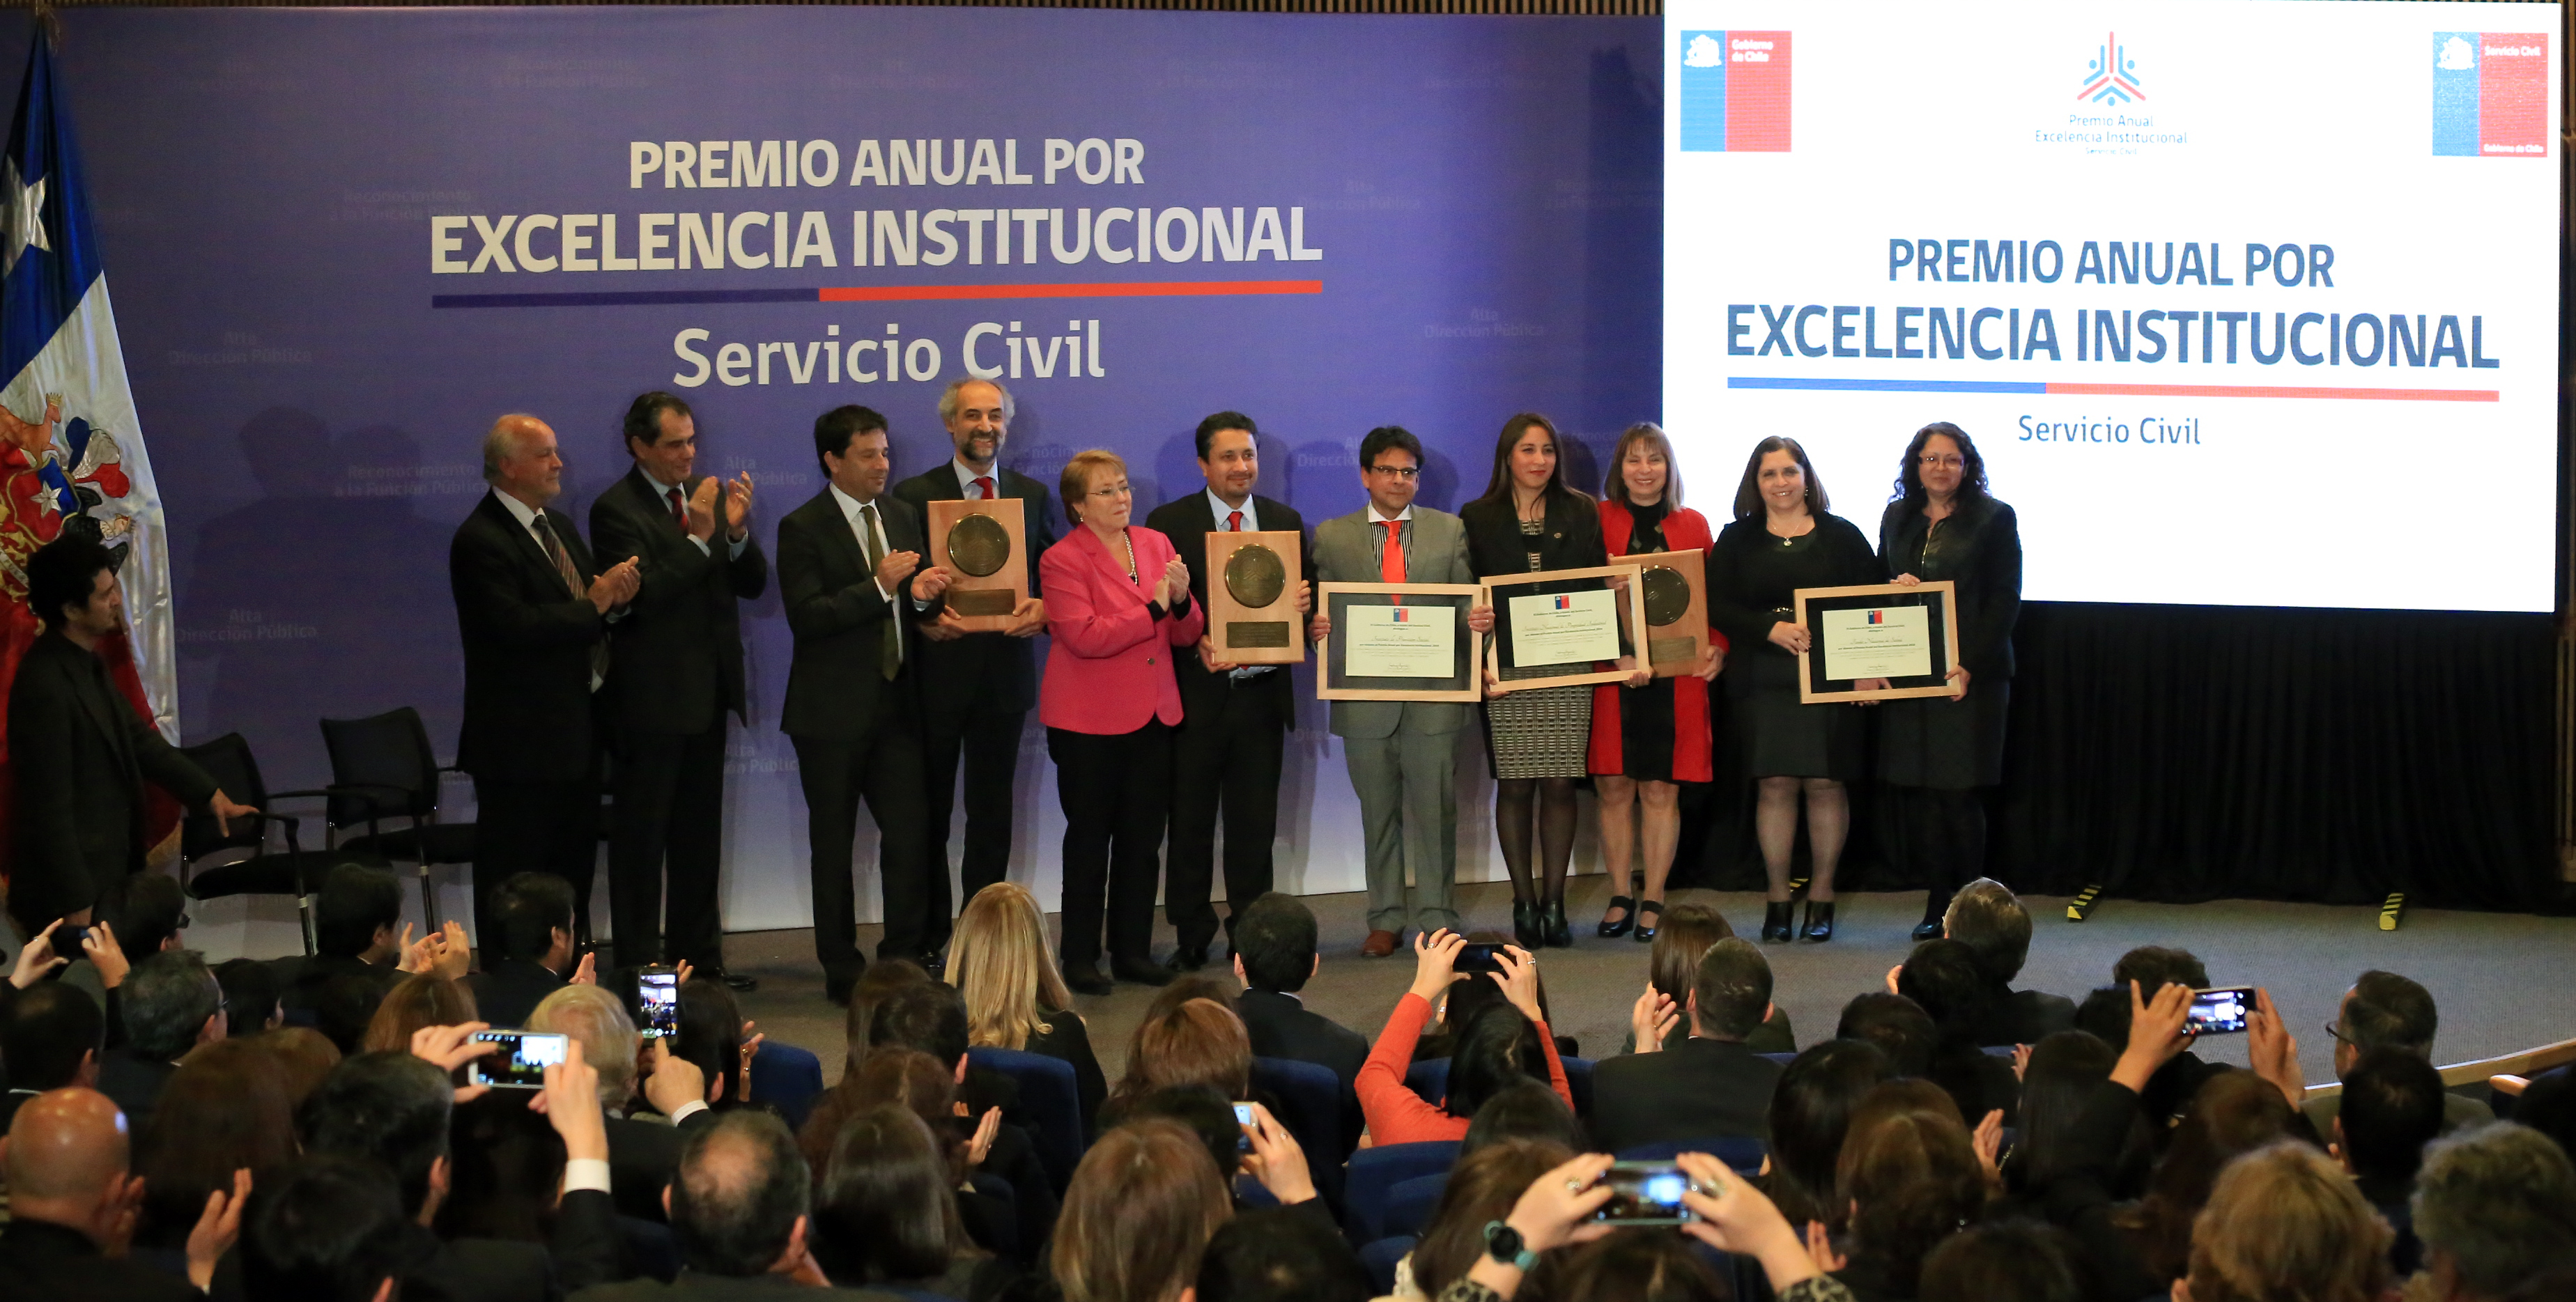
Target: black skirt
1782,738
1933,741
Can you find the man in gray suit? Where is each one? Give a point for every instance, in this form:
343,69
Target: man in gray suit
1403,754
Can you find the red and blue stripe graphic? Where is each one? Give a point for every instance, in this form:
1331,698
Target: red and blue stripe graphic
2068,388
1878,617
1735,92
1403,615
886,293
2491,94
1565,603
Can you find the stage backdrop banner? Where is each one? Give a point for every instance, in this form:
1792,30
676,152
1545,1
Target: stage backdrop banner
347,240
2202,278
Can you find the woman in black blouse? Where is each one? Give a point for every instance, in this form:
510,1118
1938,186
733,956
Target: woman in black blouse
1783,540
1935,754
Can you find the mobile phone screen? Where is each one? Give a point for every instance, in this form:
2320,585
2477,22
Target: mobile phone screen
657,997
520,1063
1243,1116
2219,1011
1477,958
1646,1193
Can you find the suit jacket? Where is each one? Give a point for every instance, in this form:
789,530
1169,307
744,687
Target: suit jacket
1569,538
2025,1016
1981,551
1437,553
1109,659
301,981
585,1251
507,991
81,756
985,672
1693,1089
692,1286
1187,521
133,1084
642,1157
527,649
678,651
834,686
1282,1027
41,1260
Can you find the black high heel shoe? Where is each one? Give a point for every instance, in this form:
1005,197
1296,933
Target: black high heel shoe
1646,934
1820,921
1775,922
1560,935
1525,923
1612,930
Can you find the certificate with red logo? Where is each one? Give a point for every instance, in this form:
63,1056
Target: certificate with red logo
1878,642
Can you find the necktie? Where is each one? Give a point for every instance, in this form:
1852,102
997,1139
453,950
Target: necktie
984,487
1390,562
678,512
890,654
1234,522
572,579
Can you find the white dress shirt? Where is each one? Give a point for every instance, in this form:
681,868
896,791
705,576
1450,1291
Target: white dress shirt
967,475
851,509
662,494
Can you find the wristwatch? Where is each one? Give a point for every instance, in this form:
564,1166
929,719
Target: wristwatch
1503,1244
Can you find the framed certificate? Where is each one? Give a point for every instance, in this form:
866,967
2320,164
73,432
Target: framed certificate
1252,597
1568,620
1906,635
984,547
1399,642
1676,595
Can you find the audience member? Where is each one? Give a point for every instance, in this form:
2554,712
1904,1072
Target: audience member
1987,918
1481,1190
2106,1013
223,1111
1897,1025
251,997
151,917
2392,1108
1465,1000
740,1212
2064,1072
1910,1178
2496,1208
874,986
1947,980
2284,1222
1197,1043
1525,1109
1707,1086
711,1039
1138,1216
920,1062
50,1038
1274,956
358,932
2006,1261
2385,1010
1502,1045
1633,1265
1672,966
504,1164
1277,1255
888,1216
642,1155
71,1205
325,1229
416,1001
305,1056
1015,993
171,1004
1811,1111
533,954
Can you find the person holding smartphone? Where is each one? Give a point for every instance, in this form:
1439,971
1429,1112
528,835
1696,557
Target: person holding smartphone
1501,1045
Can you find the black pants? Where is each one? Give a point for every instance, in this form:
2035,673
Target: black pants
1229,759
547,827
989,742
1116,791
884,769
669,818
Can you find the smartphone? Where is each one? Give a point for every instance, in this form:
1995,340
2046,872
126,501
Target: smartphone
521,1062
1477,958
1243,1116
657,999
1646,1193
2221,1010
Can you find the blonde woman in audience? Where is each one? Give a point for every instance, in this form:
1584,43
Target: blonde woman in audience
1000,961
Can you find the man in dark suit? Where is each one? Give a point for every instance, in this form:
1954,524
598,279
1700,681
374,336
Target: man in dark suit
1274,955
1235,718
1986,917
79,751
355,935
1708,1086
50,1038
533,613
324,1227
68,1156
170,1004
535,950
978,688
675,672
851,573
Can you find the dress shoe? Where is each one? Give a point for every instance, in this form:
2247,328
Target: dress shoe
1646,934
1552,921
1820,921
934,964
1928,929
1775,921
1187,959
738,983
1525,924
1085,979
1378,945
1628,918
1142,971
837,988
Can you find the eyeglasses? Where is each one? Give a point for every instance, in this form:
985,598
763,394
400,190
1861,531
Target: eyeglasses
1114,490
1952,462
2337,1033
1400,472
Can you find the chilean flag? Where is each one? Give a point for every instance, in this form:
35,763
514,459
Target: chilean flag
71,450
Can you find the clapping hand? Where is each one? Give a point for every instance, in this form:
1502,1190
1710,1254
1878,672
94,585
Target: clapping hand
895,569
1653,1017
218,1228
1175,584
702,509
929,584
738,507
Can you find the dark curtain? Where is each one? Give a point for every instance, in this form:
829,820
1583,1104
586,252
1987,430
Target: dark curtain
2189,753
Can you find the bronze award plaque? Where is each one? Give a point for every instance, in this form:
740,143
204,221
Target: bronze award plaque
983,546
1252,597
1676,589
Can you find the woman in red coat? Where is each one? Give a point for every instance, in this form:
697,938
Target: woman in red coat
1648,740
1118,602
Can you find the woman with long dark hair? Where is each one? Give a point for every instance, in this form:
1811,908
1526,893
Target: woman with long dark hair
1782,540
1530,520
1936,754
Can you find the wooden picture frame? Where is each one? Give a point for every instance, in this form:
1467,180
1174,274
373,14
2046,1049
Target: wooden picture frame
1674,651
1630,600
1332,684
1269,634
1940,596
984,602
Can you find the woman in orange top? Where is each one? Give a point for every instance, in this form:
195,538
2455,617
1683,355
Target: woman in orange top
1500,1046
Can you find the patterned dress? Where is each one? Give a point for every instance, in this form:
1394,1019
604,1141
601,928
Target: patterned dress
1543,733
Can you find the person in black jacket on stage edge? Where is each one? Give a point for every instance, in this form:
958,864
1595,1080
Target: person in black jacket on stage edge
1782,540
675,673
1937,754
533,613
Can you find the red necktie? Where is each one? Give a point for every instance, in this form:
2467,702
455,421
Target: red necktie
1390,564
1234,522
678,512
984,487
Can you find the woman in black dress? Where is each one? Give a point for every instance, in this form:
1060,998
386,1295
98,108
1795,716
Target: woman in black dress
1783,540
1936,754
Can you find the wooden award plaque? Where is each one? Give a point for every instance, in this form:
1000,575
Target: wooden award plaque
984,547
1252,580
1676,589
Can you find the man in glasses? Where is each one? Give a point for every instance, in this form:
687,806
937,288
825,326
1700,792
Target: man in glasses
1402,754
2383,1010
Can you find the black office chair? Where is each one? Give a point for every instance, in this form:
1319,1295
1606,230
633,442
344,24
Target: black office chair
382,769
254,866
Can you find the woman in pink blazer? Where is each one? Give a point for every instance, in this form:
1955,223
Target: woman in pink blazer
1118,602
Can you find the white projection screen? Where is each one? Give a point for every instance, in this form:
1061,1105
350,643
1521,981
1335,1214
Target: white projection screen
2244,302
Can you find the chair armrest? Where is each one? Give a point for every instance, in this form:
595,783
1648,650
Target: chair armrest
2509,1084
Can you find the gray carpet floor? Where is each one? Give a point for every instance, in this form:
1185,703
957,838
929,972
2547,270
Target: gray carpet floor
2497,977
